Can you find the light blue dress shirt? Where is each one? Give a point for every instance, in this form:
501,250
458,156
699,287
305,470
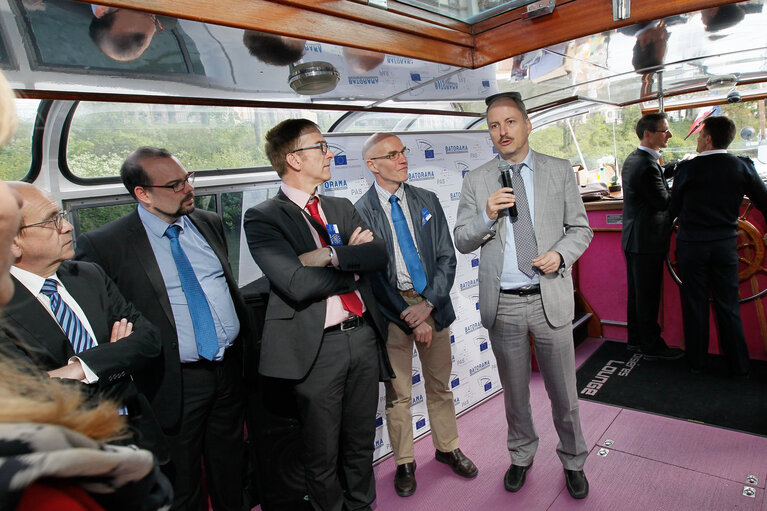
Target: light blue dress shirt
210,274
511,276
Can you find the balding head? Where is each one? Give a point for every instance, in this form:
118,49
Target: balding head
386,157
45,239
10,220
372,142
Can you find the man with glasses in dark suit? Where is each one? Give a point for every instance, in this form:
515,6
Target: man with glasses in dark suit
171,261
324,337
645,237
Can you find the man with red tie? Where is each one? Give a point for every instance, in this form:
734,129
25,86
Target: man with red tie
323,332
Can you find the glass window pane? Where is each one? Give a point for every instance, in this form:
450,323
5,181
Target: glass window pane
16,155
201,137
92,217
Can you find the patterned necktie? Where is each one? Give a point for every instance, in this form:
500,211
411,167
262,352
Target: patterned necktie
524,236
71,325
351,301
202,320
406,246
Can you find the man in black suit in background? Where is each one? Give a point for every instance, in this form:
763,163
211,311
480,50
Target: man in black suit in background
72,320
707,197
414,295
199,397
323,330
645,238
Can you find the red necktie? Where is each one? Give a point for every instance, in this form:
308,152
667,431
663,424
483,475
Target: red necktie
351,301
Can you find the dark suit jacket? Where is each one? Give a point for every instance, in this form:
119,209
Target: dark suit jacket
122,248
435,248
708,192
277,234
45,344
646,198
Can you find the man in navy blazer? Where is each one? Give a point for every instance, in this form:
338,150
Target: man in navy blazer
707,198
645,236
421,316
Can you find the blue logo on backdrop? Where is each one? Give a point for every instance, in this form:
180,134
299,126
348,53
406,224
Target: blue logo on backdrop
313,47
379,420
485,83
336,184
420,175
452,339
418,398
363,80
472,327
456,149
378,443
455,196
416,77
467,284
420,421
445,85
454,380
340,154
416,376
479,367
462,167
482,343
486,384
393,59
426,147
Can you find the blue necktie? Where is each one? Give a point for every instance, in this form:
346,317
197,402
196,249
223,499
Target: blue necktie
407,247
67,319
202,320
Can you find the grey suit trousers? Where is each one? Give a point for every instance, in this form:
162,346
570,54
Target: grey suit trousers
517,317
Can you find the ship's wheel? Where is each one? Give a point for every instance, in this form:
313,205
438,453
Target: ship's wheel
752,268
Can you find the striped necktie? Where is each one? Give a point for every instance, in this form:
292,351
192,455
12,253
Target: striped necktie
71,325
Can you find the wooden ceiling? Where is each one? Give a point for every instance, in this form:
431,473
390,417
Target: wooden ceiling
410,32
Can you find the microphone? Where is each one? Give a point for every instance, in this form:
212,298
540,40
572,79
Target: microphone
503,168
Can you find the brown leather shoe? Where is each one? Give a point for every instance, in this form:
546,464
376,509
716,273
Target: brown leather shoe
404,480
458,461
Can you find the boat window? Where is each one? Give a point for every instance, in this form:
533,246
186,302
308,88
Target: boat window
16,155
203,138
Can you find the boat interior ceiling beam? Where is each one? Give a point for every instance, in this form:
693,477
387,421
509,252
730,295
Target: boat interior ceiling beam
338,22
686,105
180,100
570,20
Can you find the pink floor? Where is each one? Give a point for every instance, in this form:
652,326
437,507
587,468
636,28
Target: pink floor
654,463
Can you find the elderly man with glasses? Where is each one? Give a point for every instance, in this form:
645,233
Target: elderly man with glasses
414,295
73,320
646,236
324,338
171,261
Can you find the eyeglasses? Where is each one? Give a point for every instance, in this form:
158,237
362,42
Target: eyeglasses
157,25
57,221
662,131
177,186
322,146
392,155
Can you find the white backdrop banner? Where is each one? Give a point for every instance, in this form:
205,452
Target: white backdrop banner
437,162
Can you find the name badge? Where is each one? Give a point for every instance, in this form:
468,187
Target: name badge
425,216
333,234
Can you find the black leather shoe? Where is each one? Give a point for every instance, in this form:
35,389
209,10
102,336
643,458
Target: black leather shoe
515,477
663,353
458,461
404,480
577,484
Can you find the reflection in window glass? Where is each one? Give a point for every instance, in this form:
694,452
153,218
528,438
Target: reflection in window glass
16,155
386,121
201,137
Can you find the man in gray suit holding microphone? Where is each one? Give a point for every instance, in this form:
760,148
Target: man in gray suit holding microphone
525,281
